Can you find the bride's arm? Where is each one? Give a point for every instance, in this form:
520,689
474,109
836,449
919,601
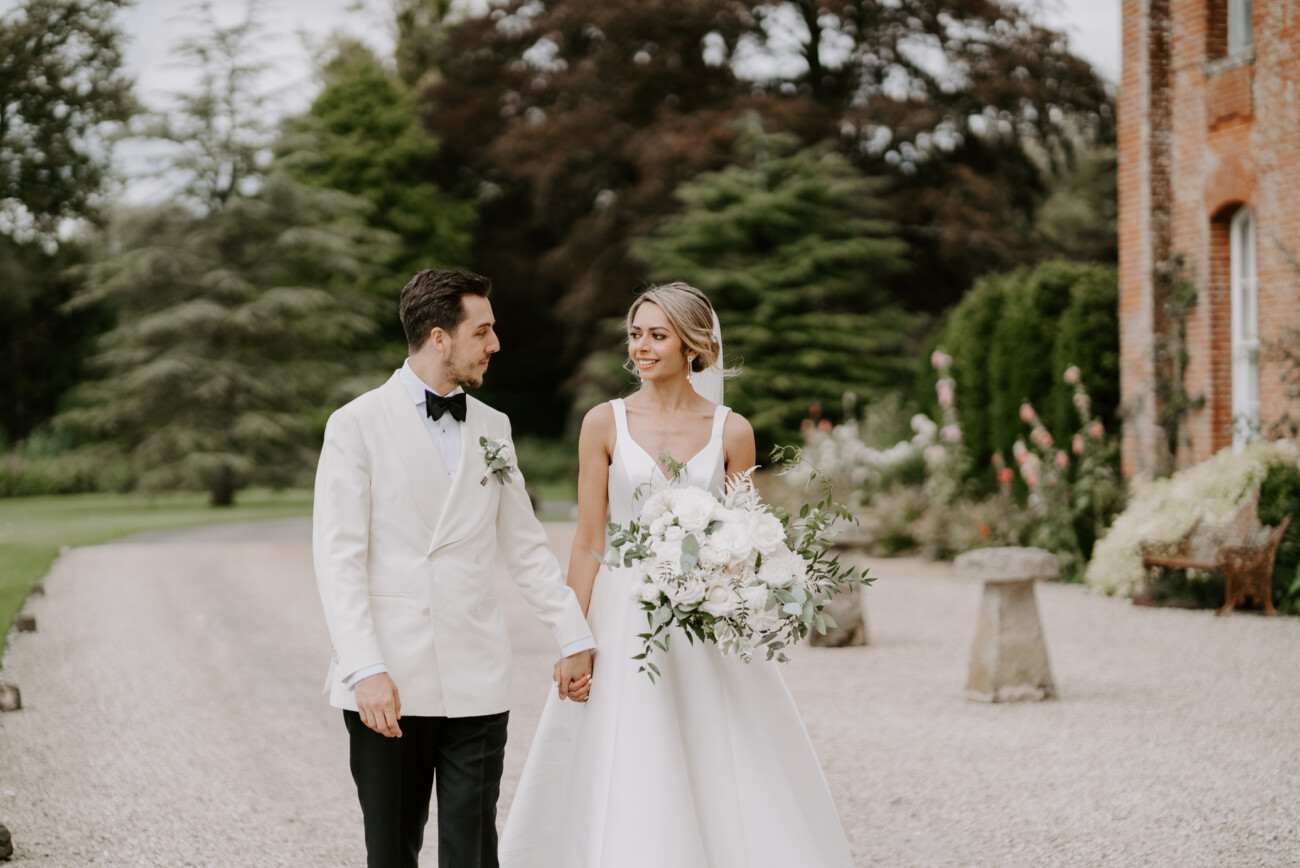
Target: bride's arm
595,446
737,444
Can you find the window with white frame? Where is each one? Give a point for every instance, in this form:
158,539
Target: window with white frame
1245,329
1240,33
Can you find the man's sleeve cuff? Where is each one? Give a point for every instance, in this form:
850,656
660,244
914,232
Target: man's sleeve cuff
351,680
587,644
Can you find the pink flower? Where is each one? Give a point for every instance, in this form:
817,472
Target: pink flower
1005,475
1082,402
940,360
806,427
1027,414
1031,478
1096,430
1073,375
997,461
1062,460
984,531
934,454
824,425
1046,439
946,391
815,411
1076,445
951,433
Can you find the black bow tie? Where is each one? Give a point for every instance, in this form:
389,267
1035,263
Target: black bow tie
436,405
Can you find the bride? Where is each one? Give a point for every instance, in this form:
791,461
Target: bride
710,766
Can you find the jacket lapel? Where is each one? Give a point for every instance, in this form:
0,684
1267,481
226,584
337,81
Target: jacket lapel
427,474
466,499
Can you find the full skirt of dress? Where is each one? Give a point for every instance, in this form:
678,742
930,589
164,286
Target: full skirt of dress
710,766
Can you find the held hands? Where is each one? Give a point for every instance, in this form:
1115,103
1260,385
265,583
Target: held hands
573,676
379,705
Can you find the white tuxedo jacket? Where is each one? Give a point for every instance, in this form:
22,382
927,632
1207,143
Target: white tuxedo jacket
404,557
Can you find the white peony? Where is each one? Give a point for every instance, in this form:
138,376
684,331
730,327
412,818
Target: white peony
721,601
766,532
758,616
694,508
668,550
782,569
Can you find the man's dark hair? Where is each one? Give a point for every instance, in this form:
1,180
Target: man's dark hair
432,299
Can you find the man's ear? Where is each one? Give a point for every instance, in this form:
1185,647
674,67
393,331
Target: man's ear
439,338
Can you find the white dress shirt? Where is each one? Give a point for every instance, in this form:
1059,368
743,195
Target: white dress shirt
446,436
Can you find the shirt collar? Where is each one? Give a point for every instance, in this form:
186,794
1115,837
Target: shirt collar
415,387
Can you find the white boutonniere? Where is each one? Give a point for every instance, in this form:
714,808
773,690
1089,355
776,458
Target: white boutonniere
499,457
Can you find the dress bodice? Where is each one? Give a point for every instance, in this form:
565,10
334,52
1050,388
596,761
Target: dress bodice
632,466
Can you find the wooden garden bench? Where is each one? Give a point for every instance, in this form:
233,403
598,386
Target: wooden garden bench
1243,551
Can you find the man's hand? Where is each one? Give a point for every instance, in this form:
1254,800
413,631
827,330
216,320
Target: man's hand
379,705
573,676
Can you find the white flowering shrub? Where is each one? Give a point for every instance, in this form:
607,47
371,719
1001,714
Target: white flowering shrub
1162,510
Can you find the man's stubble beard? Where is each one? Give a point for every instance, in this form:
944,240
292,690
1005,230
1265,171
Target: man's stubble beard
465,379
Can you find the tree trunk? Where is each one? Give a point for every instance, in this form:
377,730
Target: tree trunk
223,487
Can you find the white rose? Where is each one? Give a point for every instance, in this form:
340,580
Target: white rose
711,556
766,532
694,508
507,454
758,616
668,550
647,593
655,505
732,542
688,591
674,533
782,569
659,525
721,601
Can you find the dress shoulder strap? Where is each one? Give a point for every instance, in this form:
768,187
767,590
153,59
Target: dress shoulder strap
620,418
719,422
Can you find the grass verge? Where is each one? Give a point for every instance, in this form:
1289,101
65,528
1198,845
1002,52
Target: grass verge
34,529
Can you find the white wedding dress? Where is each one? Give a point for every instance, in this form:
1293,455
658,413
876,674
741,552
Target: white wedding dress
708,767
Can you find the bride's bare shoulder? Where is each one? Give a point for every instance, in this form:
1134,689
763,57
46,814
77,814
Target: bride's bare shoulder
598,424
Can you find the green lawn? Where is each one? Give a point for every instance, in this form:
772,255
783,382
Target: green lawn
33,529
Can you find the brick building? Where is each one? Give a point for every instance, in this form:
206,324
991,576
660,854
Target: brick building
1209,169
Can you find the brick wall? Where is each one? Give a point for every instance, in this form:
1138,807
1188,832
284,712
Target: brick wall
1201,136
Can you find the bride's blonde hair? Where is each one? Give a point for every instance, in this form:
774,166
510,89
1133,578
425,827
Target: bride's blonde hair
691,316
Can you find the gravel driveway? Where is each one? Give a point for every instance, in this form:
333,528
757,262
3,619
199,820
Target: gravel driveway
173,717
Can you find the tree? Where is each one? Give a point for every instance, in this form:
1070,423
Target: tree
573,123
791,249
237,306
61,82
61,90
943,98
362,135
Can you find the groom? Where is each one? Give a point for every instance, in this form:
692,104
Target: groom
407,519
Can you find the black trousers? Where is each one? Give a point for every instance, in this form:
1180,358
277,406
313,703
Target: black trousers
395,777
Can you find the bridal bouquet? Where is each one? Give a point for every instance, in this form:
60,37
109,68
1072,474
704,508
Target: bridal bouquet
730,570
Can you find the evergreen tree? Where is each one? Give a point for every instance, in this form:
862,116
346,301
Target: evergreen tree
792,252
237,308
362,135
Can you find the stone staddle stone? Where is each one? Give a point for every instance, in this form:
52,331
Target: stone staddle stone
1008,657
